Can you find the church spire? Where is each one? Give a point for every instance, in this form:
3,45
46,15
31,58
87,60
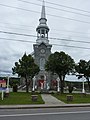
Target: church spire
43,19
42,29
43,14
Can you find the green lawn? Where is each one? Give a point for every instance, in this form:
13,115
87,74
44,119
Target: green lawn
20,98
77,98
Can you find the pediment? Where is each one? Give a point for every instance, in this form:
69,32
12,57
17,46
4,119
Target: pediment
42,44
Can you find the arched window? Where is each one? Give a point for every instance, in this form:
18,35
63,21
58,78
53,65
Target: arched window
42,63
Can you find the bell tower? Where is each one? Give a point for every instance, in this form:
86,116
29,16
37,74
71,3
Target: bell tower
42,48
42,29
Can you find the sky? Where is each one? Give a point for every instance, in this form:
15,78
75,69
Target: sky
68,20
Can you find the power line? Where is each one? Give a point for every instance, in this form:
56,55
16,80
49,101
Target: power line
15,28
71,35
52,33
69,31
66,6
16,24
56,30
19,40
69,40
13,33
49,37
72,46
72,19
33,26
18,8
55,8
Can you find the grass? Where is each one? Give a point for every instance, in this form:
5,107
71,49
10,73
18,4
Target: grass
20,98
77,98
23,98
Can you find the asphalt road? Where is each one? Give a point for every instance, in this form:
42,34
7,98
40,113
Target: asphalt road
46,114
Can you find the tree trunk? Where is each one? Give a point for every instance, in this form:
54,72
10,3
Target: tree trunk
62,83
88,84
26,85
61,86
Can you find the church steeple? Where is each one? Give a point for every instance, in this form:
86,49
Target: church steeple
43,14
42,49
42,29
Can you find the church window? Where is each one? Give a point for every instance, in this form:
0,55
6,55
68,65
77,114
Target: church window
42,63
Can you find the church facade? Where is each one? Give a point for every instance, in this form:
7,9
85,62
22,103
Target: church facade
42,50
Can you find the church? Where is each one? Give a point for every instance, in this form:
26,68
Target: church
42,50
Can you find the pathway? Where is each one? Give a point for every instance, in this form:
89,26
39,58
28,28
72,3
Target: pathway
50,100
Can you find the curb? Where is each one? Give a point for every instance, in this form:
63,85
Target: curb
42,106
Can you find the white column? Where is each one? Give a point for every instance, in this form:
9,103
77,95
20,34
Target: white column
44,81
48,86
37,35
8,82
7,89
2,96
40,33
83,89
41,86
34,79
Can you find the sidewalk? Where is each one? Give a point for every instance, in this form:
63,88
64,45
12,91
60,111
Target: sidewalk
50,102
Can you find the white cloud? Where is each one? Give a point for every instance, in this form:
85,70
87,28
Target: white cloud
21,21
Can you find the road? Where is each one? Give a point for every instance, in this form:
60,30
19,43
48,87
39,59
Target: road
46,114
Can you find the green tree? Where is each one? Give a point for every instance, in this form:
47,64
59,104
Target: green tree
26,68
83,69
61,64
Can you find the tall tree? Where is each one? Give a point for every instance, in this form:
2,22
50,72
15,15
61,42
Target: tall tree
83,69
61,64
26,68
